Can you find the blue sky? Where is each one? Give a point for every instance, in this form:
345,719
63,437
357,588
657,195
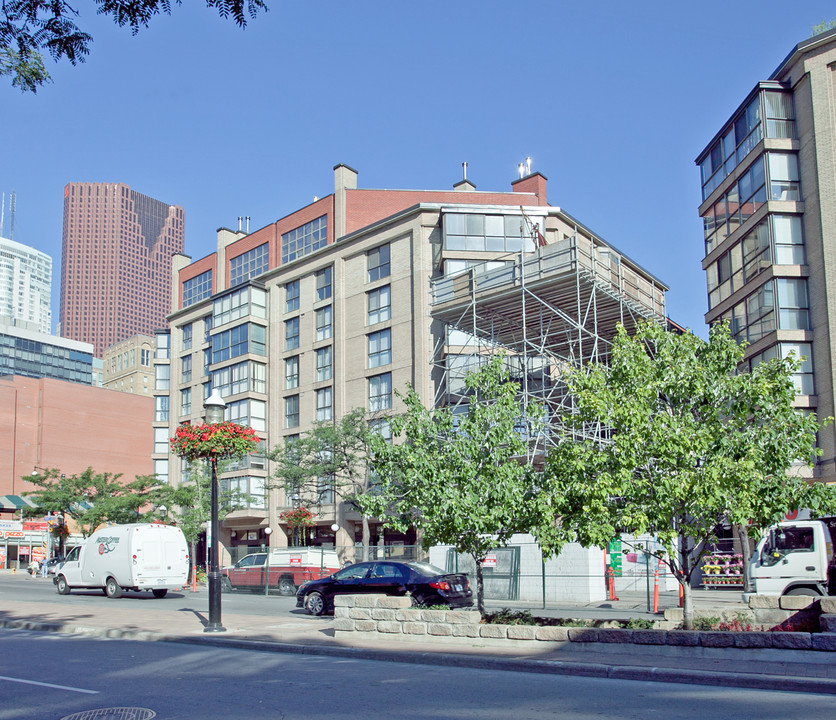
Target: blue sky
613,101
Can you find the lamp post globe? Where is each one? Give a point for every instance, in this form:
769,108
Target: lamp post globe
214,407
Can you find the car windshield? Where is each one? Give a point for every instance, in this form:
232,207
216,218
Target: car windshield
352,571
426,569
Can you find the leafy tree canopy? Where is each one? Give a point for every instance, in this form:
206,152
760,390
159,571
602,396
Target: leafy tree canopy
31,28
92,498
460,478
689,442
329,458
823,27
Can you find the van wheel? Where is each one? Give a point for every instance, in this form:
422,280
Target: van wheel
315,604
61,584
803,591
112,588
159,592
286,586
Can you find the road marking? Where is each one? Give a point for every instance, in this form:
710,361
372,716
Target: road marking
49,685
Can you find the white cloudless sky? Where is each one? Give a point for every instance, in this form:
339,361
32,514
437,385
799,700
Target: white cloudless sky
612,101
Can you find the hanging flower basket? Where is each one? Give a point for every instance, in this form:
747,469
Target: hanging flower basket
219,440
298,517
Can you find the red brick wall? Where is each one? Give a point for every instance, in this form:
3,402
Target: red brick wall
69,426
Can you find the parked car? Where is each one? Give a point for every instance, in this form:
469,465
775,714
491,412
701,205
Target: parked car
286,568
53,564
427,584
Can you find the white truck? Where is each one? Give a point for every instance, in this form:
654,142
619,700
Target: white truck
794,558
139,556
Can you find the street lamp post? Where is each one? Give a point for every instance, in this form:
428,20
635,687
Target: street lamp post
214,407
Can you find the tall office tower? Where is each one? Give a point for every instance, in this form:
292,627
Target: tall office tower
116,262
769,213
25,285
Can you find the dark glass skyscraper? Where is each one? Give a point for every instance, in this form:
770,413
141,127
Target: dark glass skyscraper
116,262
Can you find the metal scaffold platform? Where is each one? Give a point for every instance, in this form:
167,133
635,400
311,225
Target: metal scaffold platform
557,306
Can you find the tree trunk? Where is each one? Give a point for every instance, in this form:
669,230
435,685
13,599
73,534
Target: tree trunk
480,585
745,550
687,605
366,538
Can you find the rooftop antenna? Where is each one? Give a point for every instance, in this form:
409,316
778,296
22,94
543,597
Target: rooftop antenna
528,165
239,223
521,170
248,224
464,170
12,205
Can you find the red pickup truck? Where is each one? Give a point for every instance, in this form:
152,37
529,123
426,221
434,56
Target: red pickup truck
286,569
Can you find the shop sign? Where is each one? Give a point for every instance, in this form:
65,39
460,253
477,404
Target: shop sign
489,561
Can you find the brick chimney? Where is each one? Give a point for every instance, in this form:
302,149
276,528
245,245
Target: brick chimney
535,184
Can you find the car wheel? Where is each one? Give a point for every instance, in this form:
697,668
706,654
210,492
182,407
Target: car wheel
286,586
803,591
112,588
226,586
61,584
315,604
160,592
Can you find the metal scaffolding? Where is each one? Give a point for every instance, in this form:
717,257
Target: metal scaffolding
557,306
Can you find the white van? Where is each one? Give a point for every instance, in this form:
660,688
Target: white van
141,556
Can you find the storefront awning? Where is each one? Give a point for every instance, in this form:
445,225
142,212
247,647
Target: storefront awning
15,502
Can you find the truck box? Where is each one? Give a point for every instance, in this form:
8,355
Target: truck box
139,556
286,569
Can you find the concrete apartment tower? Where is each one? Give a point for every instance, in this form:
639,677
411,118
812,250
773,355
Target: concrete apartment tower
116,262
25,285
769,213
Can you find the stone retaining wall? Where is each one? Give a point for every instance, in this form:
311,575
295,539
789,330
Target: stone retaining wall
383,616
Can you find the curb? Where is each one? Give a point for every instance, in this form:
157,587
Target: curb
753,681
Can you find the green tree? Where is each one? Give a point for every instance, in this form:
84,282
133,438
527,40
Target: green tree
823,27
188,504
330,458
689,442
30,28
460,478
92,498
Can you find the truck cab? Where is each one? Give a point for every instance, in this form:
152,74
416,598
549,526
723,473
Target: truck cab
794,558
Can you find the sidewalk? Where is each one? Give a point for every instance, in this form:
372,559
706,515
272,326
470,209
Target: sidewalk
182,617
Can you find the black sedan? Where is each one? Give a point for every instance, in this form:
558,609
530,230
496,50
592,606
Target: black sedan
427,584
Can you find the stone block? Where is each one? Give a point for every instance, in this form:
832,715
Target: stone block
828,604
615,635
344,600
716,638
365,625
466,630
382,614
341,612
389,627
493,631
674,614
395,602
792,640
682,638
553,633
583,634
827,623
764,602
797,602
434,616
753,639
521,632
440,629
409,615
367,601
799,621
463,616
414,628
771,617
824,641
356,613
650,637
343,625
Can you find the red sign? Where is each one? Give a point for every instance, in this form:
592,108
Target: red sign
295,559
489,561
12,534
35,526
791,515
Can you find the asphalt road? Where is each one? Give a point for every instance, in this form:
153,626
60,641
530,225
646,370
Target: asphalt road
48,677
